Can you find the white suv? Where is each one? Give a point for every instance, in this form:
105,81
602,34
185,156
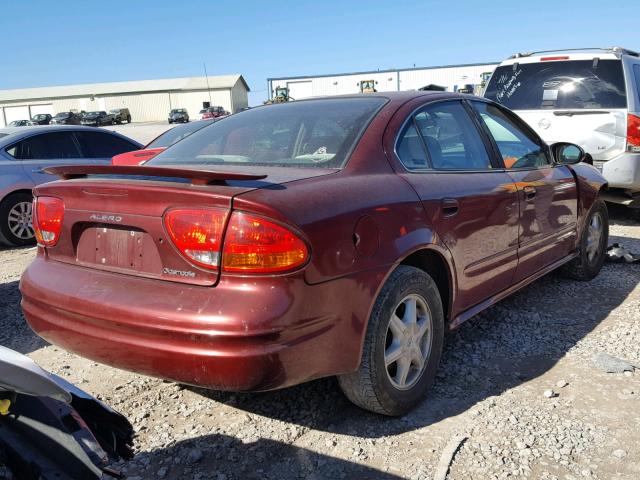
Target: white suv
586,96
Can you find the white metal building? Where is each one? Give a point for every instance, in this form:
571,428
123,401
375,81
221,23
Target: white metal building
451,77
147,100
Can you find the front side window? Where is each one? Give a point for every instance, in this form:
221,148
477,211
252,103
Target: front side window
59,145
103,145
575,84
313,133
450,137
518,148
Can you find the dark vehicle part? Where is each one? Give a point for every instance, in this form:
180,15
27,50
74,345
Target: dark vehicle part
50,429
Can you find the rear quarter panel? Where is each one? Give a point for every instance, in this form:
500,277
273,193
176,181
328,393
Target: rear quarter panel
590,183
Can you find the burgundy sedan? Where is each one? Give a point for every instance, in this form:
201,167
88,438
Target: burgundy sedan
335,236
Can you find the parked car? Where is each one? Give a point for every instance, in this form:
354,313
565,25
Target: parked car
159,144
590,97
66,118
121,115
214,112
21,123
98,118
178,115
25,151
333,236
42,119
198,116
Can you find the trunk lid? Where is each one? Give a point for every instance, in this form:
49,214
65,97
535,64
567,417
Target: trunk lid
116,224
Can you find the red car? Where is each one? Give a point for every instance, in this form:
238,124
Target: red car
159,144
335,236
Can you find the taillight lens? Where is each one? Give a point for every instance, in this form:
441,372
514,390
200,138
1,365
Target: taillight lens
48,213
633,133
197,233
254,244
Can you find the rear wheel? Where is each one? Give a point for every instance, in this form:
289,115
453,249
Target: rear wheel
128,118
593,245
15,219
402,345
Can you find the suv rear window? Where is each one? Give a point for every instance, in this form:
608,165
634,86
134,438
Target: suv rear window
310,133
559,85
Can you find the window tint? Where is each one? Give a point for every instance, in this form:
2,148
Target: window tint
559,85
103,145
45,146
518,148
410,149
451,138
636,75
310,133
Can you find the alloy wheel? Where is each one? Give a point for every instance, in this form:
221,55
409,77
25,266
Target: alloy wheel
19,220
594,236
408,342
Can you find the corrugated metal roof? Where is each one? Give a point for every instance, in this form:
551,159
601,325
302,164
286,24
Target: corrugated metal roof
136,86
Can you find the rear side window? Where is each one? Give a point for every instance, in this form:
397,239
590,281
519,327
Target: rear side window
46,146
451,139
518,148
103,145
575,84
636,75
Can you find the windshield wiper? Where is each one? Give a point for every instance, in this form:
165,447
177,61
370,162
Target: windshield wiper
571,113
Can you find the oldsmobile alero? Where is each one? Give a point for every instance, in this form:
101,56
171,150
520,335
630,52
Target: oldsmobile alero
336,236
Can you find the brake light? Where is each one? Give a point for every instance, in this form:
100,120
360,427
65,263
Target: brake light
48,213
254,244
633,133
197,233
549,59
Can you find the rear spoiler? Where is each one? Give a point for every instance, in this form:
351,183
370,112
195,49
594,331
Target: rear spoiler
197,177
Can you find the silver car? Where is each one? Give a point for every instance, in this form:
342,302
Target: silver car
590,97
26,151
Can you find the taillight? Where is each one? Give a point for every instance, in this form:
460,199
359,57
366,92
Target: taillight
254,244
550,59
48,213
197,233
633,133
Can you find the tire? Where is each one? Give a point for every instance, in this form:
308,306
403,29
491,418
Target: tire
128,118
593,247
379,387
12,220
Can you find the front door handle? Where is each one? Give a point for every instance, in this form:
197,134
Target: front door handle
37,170
529,192
450,207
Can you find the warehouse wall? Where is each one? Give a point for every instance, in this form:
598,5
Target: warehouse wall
386,81
239,98
144,107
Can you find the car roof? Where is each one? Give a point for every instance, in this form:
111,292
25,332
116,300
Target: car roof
14,133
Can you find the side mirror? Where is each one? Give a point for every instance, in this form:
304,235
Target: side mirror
568,153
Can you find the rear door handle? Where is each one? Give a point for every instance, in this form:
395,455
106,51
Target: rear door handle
37,170
529,192
450,207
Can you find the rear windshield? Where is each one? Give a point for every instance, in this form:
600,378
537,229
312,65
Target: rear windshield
176,134
62,115
572,84
311,133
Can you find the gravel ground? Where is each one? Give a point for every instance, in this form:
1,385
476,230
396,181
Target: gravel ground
519,394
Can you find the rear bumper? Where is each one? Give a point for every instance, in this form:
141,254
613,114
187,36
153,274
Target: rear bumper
244,334
622,172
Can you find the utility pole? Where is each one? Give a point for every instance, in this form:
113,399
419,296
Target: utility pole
207,77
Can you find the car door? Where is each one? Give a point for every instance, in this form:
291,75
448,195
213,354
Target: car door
473,205
101,147
547,192
43,150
